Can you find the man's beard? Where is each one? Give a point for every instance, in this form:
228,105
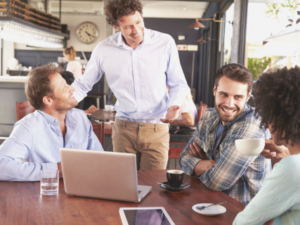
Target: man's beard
228,118
64,105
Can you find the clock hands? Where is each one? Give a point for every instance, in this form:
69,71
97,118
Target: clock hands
89,34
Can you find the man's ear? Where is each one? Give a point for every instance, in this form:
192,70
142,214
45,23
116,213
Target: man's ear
47,101
249,95
116,28
214,90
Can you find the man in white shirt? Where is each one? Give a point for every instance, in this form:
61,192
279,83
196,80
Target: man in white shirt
36,139
139,64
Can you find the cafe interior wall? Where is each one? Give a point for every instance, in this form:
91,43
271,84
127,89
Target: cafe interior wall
73,21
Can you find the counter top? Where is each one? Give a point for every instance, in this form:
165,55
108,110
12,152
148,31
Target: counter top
14,79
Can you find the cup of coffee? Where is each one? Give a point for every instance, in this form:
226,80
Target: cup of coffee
175,178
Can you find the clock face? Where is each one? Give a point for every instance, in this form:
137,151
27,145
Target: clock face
87,32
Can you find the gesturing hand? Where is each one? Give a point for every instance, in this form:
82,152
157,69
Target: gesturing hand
171,115
272,150
195,150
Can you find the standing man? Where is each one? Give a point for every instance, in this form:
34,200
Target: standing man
211,154
139,65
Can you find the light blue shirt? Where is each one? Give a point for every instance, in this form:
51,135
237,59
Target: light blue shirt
138,77
35,141
279,197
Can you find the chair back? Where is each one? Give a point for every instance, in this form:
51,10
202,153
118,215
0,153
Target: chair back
2,139
23,108
202,109
98,129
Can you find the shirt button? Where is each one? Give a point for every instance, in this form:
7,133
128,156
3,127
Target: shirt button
55,121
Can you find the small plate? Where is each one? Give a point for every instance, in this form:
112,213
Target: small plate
105,110
210,211
164,185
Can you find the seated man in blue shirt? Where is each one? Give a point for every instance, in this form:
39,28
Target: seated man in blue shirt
211,154
36,139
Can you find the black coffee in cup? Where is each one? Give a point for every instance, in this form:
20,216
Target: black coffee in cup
175,178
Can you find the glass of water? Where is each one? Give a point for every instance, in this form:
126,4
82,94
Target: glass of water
49,182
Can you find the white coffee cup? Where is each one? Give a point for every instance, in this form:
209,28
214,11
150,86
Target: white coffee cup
250,147
109,107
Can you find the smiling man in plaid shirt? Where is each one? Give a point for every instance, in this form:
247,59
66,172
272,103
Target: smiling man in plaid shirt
211,154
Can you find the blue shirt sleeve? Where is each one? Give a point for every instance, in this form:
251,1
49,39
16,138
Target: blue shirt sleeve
14,151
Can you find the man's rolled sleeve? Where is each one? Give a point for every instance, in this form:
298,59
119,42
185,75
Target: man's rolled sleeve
92,75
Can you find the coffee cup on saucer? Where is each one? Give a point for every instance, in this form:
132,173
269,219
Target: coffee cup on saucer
175,178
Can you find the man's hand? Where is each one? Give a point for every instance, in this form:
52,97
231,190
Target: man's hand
272,150
195,150
203,165
171,115
92,109
60,170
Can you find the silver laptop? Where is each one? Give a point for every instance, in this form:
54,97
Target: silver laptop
100,174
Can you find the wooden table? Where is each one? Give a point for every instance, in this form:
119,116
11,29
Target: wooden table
21,203
104,115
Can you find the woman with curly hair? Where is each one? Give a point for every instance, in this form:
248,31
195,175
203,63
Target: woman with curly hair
278,104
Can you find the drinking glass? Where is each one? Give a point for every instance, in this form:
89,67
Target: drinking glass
49,182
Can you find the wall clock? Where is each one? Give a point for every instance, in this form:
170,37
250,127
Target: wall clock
87,32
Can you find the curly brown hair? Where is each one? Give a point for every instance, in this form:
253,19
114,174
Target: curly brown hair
236,72
277,102
116,9
38,84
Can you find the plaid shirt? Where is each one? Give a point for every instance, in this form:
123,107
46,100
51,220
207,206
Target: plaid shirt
238,176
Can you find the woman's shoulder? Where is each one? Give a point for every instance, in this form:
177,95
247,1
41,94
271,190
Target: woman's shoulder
289,166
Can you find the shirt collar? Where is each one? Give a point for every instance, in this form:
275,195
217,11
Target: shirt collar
52,120
216,122
48,118
147,38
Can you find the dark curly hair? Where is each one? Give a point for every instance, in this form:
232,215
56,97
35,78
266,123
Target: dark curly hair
277,102
236,72
68,76
116,9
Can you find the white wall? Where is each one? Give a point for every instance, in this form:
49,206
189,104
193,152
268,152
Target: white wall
8,52
73,22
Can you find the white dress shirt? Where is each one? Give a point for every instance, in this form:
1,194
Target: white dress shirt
138,77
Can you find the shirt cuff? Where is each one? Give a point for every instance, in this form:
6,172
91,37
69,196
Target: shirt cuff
78,93
49,166
192,162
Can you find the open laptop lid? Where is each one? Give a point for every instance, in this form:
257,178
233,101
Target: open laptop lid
99,174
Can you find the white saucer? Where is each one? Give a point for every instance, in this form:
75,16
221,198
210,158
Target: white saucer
105,110
210,211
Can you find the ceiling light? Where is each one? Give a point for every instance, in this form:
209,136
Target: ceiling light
196,25
201,41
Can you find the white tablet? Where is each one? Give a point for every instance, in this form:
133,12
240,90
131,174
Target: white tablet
145,216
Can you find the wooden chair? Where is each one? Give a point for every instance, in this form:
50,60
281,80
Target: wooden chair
98,129
174,152
2,139
202,109
23,108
